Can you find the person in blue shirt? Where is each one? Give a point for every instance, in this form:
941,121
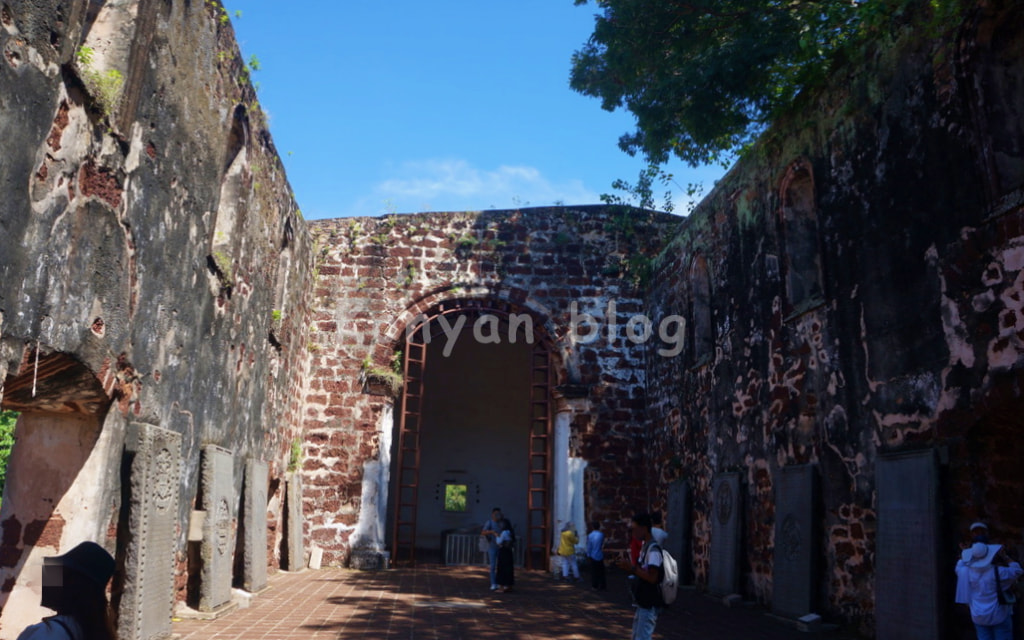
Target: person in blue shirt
490,530
595,551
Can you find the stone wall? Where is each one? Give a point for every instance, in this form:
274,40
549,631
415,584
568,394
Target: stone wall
376,275
153,271
853,289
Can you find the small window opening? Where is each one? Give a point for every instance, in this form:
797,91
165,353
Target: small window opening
455,497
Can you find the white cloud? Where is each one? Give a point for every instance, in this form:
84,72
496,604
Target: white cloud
446,184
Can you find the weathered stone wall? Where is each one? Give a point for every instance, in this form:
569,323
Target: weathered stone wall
153,265
376,275
853,288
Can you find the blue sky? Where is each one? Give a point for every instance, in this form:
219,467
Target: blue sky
392,106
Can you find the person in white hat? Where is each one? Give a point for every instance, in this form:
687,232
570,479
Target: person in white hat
75,586
981,570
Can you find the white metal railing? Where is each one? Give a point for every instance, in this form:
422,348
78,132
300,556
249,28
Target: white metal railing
462,549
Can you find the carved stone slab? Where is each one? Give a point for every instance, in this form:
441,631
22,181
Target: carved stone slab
794,562
726,504
679,524
147,603
906,556
296,556
218,531
254,519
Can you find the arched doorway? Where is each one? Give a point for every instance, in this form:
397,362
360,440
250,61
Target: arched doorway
474,428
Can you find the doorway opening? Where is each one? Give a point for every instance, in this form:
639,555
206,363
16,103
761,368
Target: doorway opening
474,431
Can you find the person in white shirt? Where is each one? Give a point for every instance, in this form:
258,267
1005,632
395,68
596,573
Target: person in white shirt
981,570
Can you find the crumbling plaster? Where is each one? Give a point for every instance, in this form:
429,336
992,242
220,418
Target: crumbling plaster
918,326
109,254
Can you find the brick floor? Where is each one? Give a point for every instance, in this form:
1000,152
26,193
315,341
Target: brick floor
454,603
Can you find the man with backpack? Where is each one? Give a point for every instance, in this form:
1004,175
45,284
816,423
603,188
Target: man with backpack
648,572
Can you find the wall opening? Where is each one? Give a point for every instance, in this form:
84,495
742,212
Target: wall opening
800,239
474,414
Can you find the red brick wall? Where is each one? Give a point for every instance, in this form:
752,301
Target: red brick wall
375,275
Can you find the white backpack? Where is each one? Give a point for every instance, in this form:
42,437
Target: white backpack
669,584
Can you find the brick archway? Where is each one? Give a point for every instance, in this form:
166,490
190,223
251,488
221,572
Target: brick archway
518,324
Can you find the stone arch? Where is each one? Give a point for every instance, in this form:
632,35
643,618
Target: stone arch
514,300
231,205
58,490
798,221
517,326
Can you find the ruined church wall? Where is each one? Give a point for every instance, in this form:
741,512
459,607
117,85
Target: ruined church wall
151,246
853,289
375,275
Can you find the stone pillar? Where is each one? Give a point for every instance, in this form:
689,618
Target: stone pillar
148,600
218,530
295,556
254,570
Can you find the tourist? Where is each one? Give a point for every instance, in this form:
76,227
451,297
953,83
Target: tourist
979,533
567,552
490,531
505,573
984,572
595,552
648,574
75,587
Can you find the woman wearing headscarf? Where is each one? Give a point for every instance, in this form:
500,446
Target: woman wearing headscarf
505,572
75,586
983,573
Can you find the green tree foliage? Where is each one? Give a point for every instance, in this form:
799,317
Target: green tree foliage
7,422
704,77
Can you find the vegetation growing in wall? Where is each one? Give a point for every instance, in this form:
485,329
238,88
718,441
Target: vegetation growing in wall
391,378
7,422
105,87
295,455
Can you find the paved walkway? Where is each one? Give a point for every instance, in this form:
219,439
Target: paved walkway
453,603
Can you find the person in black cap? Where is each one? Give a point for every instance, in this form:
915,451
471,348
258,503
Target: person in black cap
75,586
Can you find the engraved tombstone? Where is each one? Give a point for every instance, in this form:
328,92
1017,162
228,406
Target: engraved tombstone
218,539
295,558
793,564
906,556
147,602
725,534
254,570
679,525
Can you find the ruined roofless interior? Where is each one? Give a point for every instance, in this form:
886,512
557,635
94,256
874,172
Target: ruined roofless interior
815,375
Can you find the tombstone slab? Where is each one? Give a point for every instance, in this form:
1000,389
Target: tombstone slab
907,572
726,505
794,561
254,525
679,524
218,530
147,602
